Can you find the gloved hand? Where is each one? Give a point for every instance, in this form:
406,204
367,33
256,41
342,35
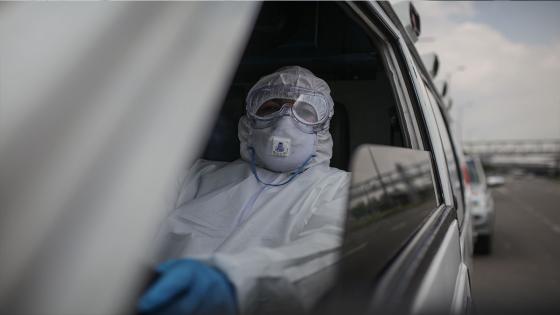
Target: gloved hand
187,286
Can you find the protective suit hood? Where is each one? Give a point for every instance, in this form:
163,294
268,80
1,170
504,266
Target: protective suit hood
297,77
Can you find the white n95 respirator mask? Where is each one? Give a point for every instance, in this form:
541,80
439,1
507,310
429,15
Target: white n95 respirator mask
282,146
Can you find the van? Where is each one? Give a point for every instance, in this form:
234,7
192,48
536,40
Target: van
108,104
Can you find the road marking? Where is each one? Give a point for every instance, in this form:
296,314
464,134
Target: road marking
529,209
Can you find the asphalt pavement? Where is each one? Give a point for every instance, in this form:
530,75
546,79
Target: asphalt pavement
522,274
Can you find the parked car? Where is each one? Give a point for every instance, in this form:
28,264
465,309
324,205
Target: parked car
481,203
111,102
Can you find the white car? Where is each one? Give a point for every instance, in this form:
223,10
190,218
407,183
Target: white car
481,203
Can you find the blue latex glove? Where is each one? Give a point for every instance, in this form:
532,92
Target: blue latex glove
187,286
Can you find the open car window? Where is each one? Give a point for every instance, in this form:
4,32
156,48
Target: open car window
321,37
328,39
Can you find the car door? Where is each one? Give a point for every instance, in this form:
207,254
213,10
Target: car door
449,269
385,271
462,297
456,167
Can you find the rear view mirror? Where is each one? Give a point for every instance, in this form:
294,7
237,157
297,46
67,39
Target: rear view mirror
409,18
495,181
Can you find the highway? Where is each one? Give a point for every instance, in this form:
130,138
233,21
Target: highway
522,274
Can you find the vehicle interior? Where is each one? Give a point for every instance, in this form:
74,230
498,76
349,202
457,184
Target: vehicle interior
322,37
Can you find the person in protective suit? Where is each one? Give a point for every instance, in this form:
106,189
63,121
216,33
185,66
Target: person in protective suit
254,228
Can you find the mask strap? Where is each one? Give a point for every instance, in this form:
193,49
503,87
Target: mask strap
293,175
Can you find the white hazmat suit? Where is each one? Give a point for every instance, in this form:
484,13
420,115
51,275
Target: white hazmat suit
265,238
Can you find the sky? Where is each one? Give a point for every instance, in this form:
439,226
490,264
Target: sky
502,63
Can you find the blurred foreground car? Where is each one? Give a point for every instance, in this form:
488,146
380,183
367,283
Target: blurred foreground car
481,203
100,124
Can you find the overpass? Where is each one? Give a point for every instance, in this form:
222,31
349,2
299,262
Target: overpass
538,155
513,147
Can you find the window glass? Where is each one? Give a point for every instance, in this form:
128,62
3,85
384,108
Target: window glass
450,157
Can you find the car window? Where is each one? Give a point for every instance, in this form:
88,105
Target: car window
366,107
386,202
450,156
391,201
355,61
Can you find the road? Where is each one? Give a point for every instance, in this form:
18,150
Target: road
522,275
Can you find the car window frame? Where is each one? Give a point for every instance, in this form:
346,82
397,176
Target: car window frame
410,68
407,122
426,119
404,89
437,110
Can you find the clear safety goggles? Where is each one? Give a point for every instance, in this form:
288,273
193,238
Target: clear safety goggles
310,109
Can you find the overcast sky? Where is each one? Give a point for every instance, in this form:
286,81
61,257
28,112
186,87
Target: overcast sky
509,51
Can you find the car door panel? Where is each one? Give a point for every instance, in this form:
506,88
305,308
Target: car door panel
437,291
